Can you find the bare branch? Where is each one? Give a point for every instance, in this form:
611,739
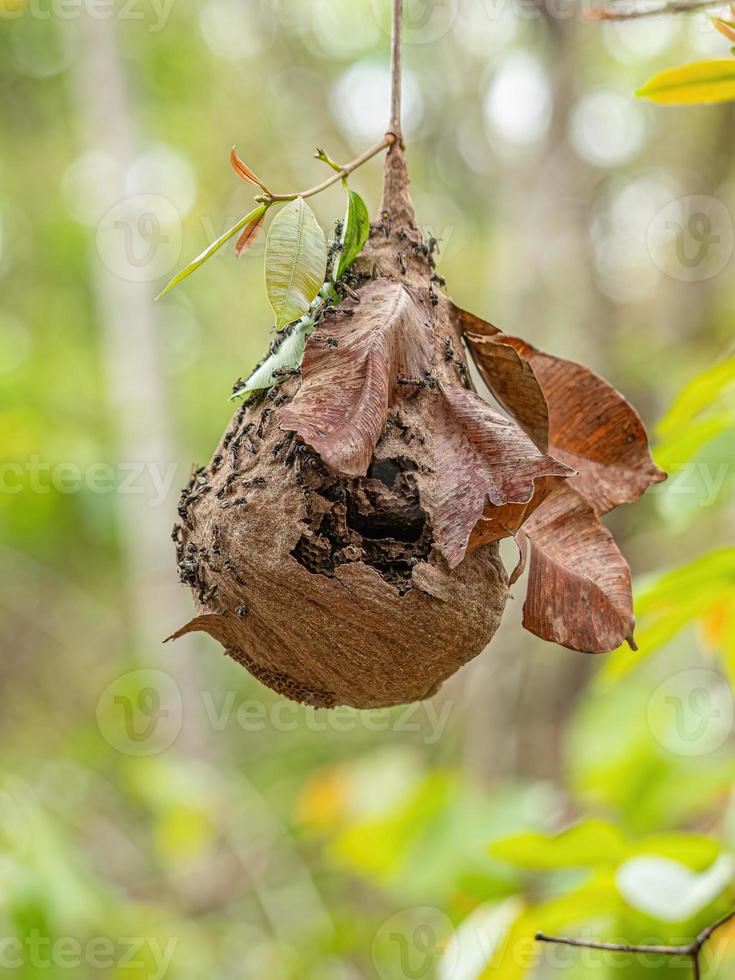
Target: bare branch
395,70
628,12
348,168
692,949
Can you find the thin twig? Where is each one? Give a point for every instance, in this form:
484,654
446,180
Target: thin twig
626,12
692,949
348,168
393,135
615,947
395,70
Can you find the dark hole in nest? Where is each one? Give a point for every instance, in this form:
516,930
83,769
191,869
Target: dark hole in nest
388,470
377,520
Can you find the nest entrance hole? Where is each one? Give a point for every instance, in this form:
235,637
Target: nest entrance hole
377,520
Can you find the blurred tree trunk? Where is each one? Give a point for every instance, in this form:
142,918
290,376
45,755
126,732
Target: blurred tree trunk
522,691
130,366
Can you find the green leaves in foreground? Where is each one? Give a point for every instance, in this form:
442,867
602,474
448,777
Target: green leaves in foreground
355,232
295,261
286,358
702,592
699,83
253,219
595,843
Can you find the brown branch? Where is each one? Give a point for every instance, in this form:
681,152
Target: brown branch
626,12
393,135
348,168
395,71
692,949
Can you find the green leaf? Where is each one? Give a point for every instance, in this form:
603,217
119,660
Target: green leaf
700,82
355,232
286,358
214,247
694,851
685,595
699,394
685,443
584,845
295,261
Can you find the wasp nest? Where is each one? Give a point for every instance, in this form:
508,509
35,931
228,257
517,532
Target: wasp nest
342,544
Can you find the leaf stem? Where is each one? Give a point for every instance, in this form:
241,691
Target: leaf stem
348,168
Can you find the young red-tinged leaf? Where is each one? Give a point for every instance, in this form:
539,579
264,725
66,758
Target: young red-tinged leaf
249,235
591,426
347,389
579,589
482,456
243,171
725,27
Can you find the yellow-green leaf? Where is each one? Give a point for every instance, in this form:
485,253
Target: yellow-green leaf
209,251
585,844
700,82
668,604
700,393
295,261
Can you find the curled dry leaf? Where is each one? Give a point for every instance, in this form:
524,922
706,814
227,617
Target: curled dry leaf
512,381
590,425
579,584
579,590
349,377
480,455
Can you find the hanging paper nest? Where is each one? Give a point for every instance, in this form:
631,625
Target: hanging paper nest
342,544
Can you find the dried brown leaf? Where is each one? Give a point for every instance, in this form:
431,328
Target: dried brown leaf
350,373
591,425
579,589
512,381
506,520
482,456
